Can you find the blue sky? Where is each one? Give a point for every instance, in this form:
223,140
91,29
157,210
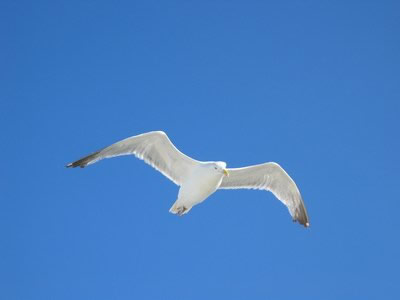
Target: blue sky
312,85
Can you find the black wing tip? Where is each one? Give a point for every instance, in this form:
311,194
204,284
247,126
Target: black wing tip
303,222
302,217
74,165
83,162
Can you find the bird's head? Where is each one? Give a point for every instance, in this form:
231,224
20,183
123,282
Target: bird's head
220,167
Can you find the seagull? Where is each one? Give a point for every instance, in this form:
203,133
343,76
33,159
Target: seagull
199,179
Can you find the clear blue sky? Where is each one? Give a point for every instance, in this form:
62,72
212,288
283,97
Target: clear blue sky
312,85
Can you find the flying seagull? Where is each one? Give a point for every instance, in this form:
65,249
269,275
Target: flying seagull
198,179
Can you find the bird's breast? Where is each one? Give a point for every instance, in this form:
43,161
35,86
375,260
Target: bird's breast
200,185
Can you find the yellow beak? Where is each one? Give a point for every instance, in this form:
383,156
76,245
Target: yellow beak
226,172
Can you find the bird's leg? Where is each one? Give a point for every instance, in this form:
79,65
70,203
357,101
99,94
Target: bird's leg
181,211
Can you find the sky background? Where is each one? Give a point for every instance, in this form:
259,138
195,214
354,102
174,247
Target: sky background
312,85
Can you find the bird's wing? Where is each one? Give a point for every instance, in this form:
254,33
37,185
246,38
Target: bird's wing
271,177
154,148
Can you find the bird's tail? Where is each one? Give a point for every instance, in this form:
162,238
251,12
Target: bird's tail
179,209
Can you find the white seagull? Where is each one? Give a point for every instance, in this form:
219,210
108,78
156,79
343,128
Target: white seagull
198,179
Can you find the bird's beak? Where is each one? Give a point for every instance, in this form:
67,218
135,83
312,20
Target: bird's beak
226,172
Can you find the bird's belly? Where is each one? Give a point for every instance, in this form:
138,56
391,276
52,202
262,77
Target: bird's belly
196,191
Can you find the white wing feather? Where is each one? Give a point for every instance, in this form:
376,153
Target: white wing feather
271,177
155,148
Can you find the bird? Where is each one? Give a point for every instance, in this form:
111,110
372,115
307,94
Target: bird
200,179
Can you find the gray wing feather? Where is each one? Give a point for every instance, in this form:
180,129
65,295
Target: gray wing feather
155,148
271,177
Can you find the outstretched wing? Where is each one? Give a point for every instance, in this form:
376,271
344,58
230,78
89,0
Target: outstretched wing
271,177
154,148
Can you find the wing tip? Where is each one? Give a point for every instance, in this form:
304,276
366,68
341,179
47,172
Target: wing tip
74,165
83,162
302,215
303,220
306,224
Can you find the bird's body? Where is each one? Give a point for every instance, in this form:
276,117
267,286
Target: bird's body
201,183
198,180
